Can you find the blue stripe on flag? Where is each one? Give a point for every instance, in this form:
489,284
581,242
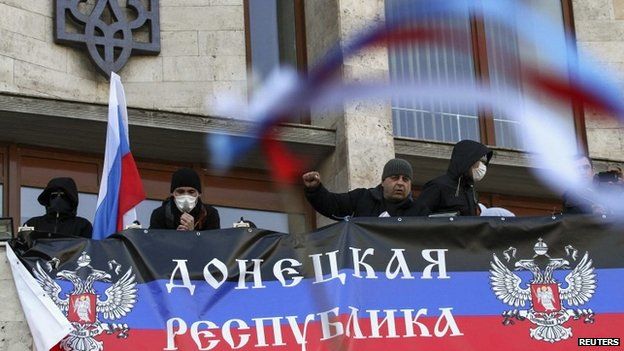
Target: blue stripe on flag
468,293
105,221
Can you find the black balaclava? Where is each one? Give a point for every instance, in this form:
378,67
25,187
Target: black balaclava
61,205
66,204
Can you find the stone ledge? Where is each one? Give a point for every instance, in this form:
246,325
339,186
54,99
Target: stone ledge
440,150
154,134
510,171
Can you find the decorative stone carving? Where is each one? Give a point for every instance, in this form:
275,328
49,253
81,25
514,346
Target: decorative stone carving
110,32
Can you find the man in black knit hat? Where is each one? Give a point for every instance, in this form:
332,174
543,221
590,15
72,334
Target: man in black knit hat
184,210
393,197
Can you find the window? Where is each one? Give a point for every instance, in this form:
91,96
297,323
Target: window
3,176
144,211
242,192
275,35
276,221
431,63
262,219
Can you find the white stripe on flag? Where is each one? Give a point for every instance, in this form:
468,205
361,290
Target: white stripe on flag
121,102
112,136
47,323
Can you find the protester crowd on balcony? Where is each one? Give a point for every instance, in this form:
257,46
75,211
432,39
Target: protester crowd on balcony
450,194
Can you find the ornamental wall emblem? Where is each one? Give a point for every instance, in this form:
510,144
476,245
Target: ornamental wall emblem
545,296
83,306
110,32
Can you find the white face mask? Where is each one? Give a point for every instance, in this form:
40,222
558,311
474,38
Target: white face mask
479,172
186,203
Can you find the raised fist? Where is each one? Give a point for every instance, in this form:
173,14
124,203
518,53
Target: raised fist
311,180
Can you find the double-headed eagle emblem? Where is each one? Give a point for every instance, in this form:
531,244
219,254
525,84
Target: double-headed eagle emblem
543,293
82,305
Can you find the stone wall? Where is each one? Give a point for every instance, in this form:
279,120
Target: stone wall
202,53
600,34
14,332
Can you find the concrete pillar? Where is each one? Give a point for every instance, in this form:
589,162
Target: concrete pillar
367,124
363,128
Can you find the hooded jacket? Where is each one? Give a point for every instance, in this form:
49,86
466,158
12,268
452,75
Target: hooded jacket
575,204
66,223
167,216
360,203
454,191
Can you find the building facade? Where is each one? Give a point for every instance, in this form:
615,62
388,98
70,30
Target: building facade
53,111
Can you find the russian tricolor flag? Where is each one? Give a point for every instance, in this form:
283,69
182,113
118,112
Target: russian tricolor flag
121,189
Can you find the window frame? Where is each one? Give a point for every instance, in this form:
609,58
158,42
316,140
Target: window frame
250,188
301,48
3,180
481,65
480,57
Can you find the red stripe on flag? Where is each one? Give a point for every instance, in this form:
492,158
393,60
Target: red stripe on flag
286,166
560,87
131,191
411,35
479,333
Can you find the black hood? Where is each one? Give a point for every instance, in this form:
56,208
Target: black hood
67,185
465,154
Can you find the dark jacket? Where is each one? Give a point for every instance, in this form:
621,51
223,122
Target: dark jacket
454,191
360,203
66,223
167,216
580,202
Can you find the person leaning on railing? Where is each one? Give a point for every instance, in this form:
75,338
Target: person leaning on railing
393,197
454,192
60,199
584,200
184,209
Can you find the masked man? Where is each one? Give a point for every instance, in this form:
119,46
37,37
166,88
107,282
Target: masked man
184,209
454,191
60,198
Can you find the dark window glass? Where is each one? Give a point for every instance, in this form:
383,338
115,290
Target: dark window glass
431,63
500,40
437,63
272,36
